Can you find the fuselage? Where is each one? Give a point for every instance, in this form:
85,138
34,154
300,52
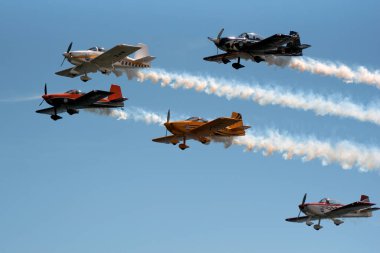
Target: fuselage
66,99
183,128
321,210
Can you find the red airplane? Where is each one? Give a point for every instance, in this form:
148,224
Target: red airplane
330,209
73,100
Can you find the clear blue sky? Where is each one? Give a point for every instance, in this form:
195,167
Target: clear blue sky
94,184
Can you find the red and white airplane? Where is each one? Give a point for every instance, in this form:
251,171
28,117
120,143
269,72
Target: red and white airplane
73,100
330,209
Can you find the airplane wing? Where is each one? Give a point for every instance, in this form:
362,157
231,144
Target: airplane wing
271,42
51,110
301,219
212,126
79,70
219,57
168,139
355,206
113,55
90,98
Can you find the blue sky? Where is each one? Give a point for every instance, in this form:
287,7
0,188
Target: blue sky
90,183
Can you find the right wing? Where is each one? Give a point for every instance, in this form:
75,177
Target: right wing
355,206
113,55
271,42
219,57
168,139
212,126
90,98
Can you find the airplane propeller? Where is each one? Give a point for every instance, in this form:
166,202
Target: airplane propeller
217,40
302,204
67,52
167,121
45,90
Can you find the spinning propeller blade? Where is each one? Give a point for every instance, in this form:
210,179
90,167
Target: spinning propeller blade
302,204
167,121
67,51
45,91
220,34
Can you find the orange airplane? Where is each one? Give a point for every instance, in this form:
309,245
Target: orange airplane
73,100
202,130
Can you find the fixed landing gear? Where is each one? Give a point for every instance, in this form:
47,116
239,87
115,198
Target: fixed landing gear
72,111
55,116
309,223
337,222
183,145
318,226
85,78
225,61
258,59
237,65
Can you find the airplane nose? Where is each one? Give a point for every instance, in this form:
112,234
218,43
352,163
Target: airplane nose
65,54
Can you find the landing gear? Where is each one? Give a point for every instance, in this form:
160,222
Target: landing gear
309,223
237,65
258,59
183,145
225,61
85,78
72,111
318,226
55,116
337,222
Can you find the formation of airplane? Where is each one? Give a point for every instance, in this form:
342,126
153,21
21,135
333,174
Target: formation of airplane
332,210
248,46
115,60
202,130
73,100
252,46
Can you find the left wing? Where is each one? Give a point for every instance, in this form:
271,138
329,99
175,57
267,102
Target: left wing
52,110
168,139
113,55
79,70
301,219
271,42
355,206
212,126
219,57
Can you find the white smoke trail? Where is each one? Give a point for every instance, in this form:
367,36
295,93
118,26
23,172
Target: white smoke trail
265,95
133,113
347,154
19,99
359,75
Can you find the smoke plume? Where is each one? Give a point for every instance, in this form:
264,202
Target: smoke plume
333,105
359,75
345,153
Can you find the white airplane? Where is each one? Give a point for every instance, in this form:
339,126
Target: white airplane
114,60
330,209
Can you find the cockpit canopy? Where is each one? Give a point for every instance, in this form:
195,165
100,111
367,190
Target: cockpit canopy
197,119
97,49
251,36
74,92
328,201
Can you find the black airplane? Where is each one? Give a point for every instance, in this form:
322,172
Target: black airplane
251,46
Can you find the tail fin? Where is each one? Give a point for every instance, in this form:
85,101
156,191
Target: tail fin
238,126
116,93
364,198
295,44
142,55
